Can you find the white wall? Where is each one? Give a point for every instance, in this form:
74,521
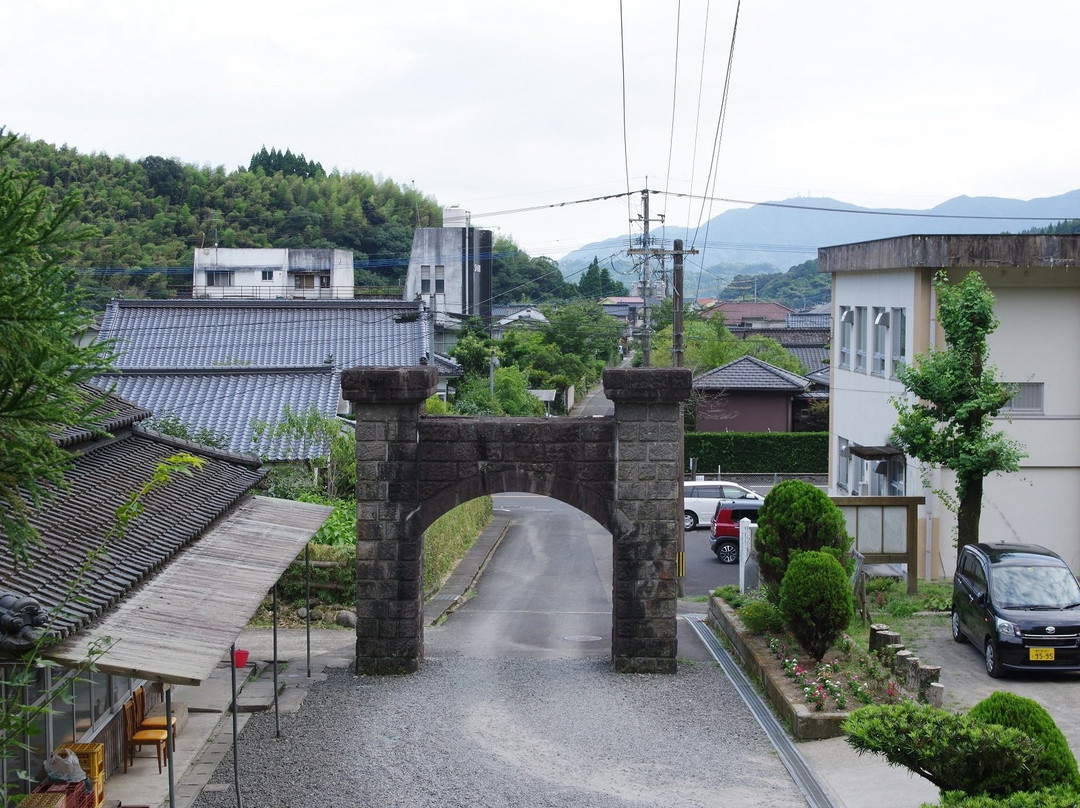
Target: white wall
1038,340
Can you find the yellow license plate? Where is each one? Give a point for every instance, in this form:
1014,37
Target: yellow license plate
1041,654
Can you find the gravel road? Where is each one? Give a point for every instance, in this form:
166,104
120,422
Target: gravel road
485,732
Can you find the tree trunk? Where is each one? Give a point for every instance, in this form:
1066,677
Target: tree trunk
967,515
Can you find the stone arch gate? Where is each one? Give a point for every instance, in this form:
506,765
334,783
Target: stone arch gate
624,472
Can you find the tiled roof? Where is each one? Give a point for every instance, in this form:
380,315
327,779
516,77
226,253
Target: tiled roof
74,524
749,373
115,413
811,356
735,311
207,334
227,401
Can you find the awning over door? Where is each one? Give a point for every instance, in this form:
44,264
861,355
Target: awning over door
180,623
876,452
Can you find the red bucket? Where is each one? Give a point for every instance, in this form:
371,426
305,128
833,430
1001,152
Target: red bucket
240,658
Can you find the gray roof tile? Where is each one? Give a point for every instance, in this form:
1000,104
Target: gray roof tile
227,402
75,522
207,334
749,373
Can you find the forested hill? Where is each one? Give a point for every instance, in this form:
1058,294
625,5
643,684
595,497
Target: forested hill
155,211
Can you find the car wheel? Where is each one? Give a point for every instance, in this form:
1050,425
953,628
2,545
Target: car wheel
957,634
727,552
689,520
993,660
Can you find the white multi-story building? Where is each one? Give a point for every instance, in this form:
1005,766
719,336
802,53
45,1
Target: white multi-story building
273,274
885,313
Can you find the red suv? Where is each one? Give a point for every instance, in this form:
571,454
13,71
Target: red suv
724,537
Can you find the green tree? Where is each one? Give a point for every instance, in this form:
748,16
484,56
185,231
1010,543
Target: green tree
590,285
43,370
955,396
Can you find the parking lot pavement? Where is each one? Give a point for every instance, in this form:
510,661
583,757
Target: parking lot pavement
966,682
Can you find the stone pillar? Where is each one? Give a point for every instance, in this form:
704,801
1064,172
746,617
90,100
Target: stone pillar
648,515
389,543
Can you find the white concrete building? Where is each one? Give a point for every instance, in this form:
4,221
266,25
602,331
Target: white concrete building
450,271
884,313
273,274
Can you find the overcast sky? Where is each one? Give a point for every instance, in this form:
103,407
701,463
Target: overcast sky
498,105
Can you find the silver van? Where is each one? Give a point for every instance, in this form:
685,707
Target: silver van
700,498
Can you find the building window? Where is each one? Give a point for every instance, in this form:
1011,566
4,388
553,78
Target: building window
881,340
324,281
1028,399
304,281
219,278
847,317
268,274
843,464
425,279
860,338
898,325
440,279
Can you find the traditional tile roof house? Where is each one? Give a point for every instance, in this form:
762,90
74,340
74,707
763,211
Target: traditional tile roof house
209,334
220,364
228,402
163,597
747,395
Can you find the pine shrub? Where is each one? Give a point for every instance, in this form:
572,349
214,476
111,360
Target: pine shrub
816,601
1053,797
954,752
797,516
1056,764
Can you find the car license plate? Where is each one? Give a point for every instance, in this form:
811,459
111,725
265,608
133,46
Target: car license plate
1041,654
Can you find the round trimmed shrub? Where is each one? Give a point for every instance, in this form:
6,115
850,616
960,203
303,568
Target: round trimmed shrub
816,600
797,516
1056,764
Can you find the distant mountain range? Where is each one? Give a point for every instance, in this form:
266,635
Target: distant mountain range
783,234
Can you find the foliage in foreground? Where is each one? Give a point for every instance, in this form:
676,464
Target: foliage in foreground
1054,797
1056,763
41,363
954,752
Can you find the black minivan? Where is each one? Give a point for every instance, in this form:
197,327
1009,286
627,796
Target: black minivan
1020,605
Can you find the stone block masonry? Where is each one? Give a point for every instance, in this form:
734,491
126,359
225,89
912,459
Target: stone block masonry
623,472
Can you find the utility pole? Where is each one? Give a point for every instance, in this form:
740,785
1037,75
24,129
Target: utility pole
676,299
646,284
677,361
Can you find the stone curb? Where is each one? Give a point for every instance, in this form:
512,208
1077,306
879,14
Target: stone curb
803,723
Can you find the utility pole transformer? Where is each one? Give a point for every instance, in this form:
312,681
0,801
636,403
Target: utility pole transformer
676,299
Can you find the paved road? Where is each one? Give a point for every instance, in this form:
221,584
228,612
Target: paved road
517,704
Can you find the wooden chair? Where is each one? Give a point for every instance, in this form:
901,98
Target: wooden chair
145,721
136,738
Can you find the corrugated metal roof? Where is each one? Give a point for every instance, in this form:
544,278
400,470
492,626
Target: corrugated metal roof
750,373
228,401
210,334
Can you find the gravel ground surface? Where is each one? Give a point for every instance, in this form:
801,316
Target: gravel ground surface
479,732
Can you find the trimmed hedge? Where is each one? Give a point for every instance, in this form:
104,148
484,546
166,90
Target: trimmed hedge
759,452
333,572
1056,764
